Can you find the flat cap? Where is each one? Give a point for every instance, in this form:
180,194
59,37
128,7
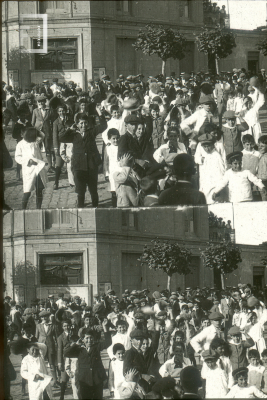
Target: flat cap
229,114
137,334
234,330
216,316
206,99
234,155
44,313
132,119
206,138
239,371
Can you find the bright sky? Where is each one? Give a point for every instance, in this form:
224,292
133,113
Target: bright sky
245,14
248,219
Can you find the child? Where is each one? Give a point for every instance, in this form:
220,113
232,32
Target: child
126,183
167,152
262,168
28,154
116,122
216,380
33,369
238,347
230,105
236,316
158,126
91,372
238,100
66,151
20,125
241,390
174,366
212,167
255,369
219,347
255,330
122,336
264,375
232,132
239,182
250,159
111,161
116,370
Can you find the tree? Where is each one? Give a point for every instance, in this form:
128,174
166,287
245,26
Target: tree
262,46
223,256
165,42
216,43
168,257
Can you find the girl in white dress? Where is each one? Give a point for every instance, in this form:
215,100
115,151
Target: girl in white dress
111,161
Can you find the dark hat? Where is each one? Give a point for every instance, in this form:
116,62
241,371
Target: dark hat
190,375
206,139
139,315
183,163
62,314
7,297
76,297
137,334
44,313
234,330
239,371
209,355
206,99
234,155
216,316
229,115
132,119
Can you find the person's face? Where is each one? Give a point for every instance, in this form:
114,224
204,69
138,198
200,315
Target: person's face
242,380
211,364
29,101
41,104
236,165
86,321
119,355
88,340
220,350
264,360
154,114
208,147
82,125
254,361
236,338
139,130
253,320
172,138
237,310
45,319
231,122
33,351
248,146
174,124
178,339
217,323
115,114
115,141
82,107
178,353
144,345
262,148
137,343
122,329
66,327
61,112
207,107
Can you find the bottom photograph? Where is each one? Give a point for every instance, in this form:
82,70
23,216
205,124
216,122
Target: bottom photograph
136,303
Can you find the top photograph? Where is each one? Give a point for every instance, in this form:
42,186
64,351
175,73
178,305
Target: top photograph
122,104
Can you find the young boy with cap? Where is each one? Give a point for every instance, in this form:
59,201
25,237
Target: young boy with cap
232,132
255,369
126,182
250,159
216,381
238,182
238,347
241,390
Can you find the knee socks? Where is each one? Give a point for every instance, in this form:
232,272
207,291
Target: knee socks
58,171
114,199
25,200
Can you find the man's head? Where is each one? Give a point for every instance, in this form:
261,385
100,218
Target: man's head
240,376
190,379
113,136
230,118
235,334
137,336
62,110
119,351
218,346
121,326
248,142
183,166
173,135
235,160
132,122
262,145
216,319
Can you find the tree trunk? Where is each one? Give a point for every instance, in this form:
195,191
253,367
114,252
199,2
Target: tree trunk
169,283
217,66
163,68
222,279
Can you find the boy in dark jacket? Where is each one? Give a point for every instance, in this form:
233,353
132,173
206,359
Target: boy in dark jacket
238,347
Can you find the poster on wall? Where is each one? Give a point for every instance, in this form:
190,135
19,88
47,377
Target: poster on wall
98,73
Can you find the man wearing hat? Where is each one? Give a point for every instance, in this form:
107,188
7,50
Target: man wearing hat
128,143
203,339
238,182
133,357
46,333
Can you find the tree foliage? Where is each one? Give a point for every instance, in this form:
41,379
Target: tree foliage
24,272
223,256
216,42
165,42
18,58
262,46
168,257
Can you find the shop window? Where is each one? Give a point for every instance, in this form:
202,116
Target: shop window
62,54
61,269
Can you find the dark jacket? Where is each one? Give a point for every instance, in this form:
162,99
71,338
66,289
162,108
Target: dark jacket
59,129
134,359
129,145
85,153
238,353
151,357
90,366
232,137
182,193
48,338
62,342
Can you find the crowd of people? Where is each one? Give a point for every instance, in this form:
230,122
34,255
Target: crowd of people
156,135
192,344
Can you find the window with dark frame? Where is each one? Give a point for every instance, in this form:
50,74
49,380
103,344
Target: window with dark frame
61,269
62,54
123,7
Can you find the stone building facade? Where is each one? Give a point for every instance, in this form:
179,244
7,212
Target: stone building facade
86,39
83,252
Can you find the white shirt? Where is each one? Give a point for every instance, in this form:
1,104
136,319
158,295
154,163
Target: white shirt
216,382
249,392
163,153
239,184
225,364
203,339
197,119
168,368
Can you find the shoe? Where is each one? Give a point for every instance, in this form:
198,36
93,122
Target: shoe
55,186
72,186
51,170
